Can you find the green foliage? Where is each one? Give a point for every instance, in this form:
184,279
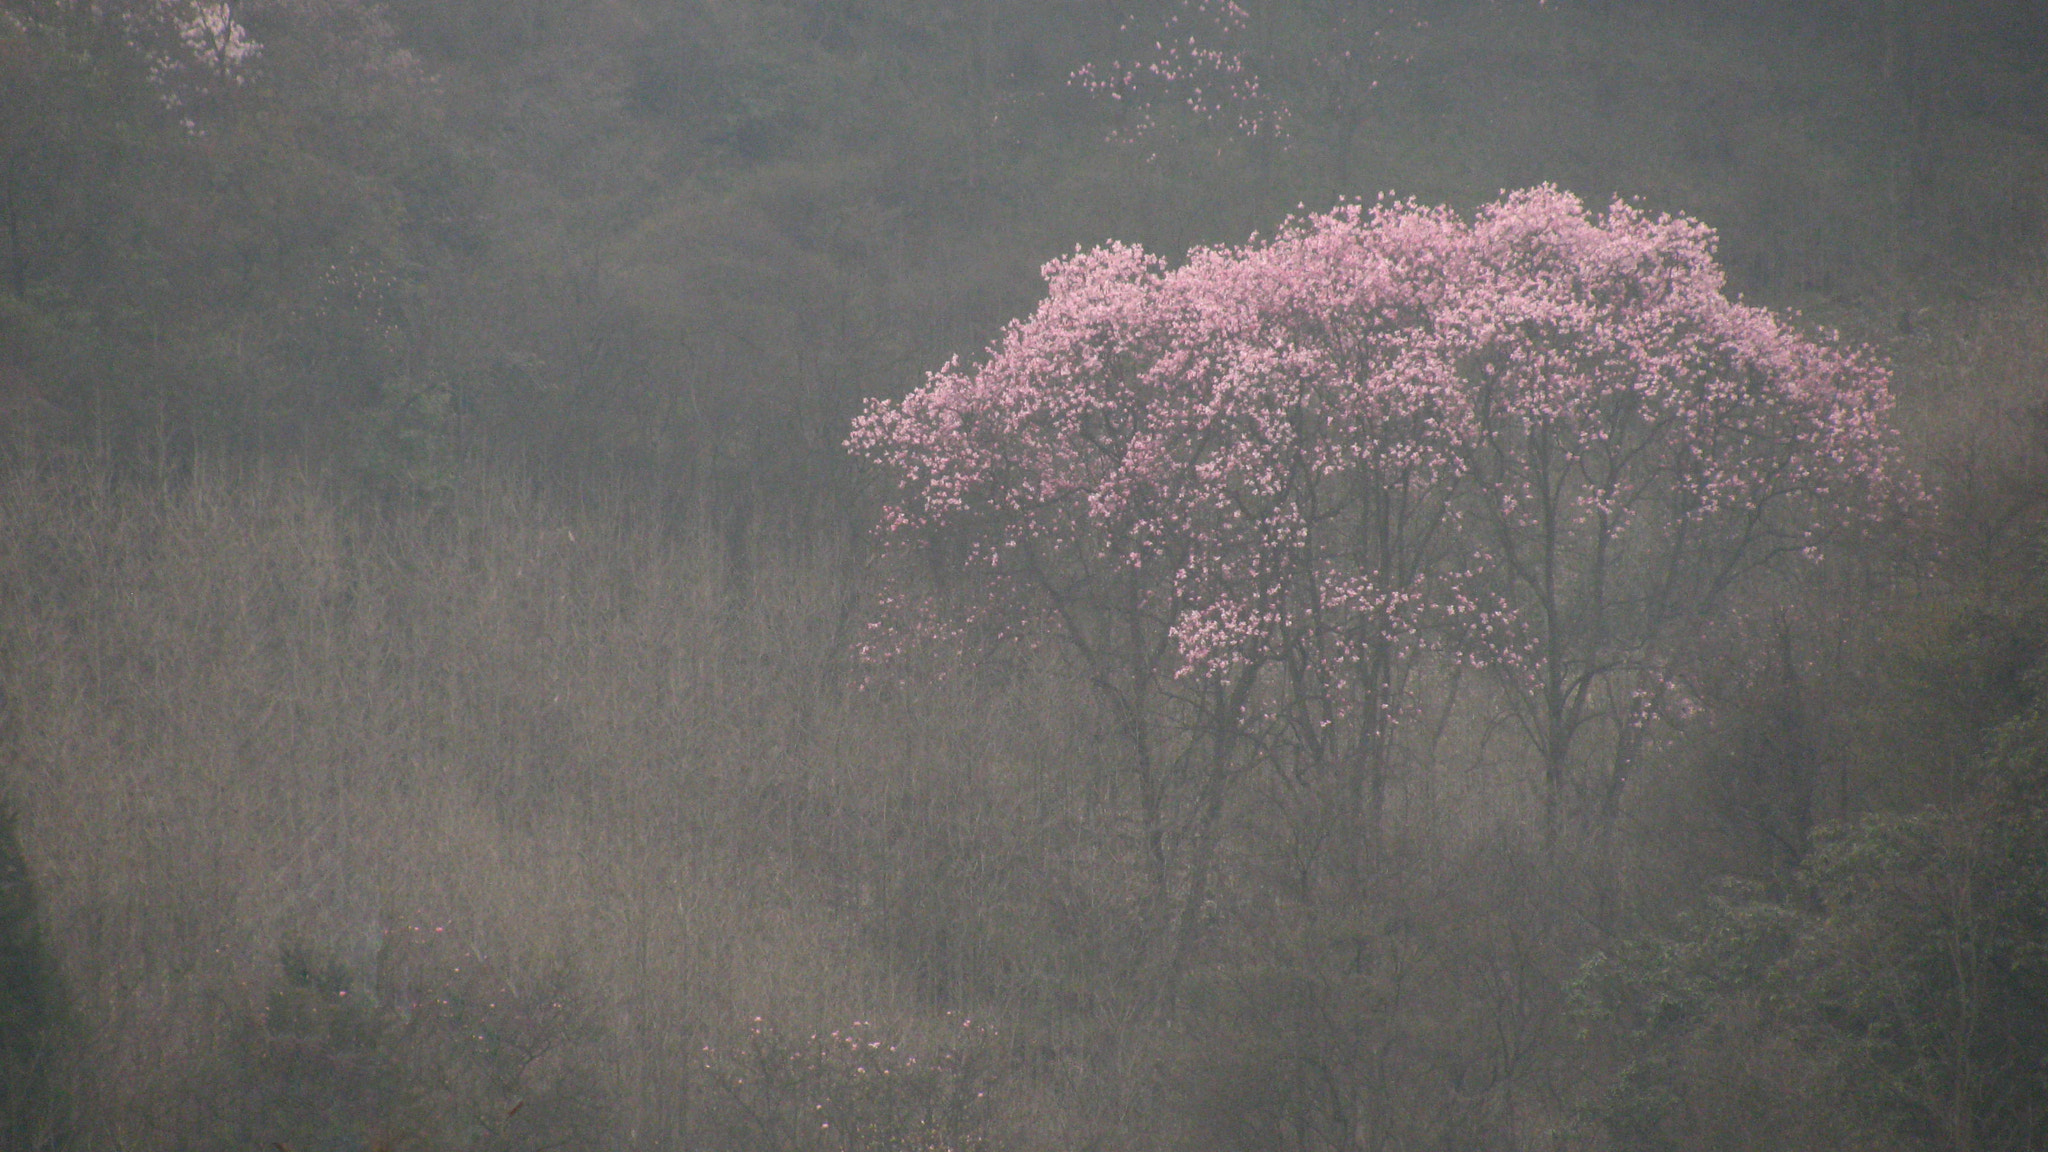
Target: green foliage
715,223
1659,984
1908,977
1693,1017
1966,666
1927,957
404,445
31,1003
429,1048
244,279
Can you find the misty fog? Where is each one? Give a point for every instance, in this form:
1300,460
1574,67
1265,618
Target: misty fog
1017,575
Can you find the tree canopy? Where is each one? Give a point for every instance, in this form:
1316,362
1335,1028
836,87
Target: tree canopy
1273,478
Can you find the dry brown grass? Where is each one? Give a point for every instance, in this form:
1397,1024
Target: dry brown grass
564,794
521,751
249,717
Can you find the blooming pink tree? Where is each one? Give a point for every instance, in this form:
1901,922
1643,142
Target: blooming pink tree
1640,445
1221,490
1252,495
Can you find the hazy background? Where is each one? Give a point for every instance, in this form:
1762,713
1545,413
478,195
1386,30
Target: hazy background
428,559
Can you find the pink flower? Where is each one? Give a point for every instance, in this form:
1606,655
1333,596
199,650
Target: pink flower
1535,441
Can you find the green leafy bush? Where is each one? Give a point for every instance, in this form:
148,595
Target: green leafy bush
431,1047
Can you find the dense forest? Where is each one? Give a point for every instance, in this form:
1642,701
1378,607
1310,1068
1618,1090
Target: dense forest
459,464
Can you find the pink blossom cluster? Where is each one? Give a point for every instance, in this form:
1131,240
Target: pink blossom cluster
1531,440
858,1086
193,48
1190,71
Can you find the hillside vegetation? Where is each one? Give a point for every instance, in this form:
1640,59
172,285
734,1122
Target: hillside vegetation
432,581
